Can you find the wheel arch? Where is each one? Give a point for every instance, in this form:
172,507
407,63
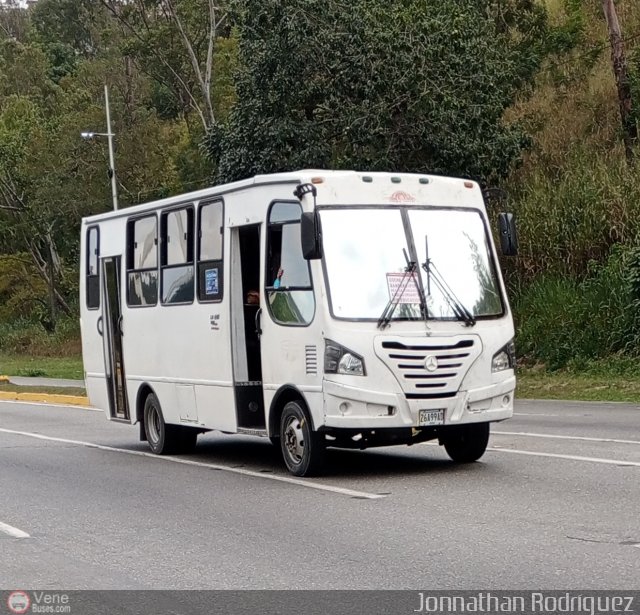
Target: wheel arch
283,396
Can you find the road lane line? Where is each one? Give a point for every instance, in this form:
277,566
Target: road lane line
41,405
212,466
613,462
561,437
12,531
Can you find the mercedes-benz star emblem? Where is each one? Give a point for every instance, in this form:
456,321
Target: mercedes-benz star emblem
431,363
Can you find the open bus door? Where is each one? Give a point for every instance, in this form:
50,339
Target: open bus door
245,314
112,337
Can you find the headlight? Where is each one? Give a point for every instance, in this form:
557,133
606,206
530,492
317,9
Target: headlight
339,360
505,358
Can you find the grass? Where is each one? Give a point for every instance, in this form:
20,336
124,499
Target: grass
46,367
7,387
577,387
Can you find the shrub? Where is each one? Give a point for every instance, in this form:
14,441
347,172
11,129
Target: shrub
27,337
571,321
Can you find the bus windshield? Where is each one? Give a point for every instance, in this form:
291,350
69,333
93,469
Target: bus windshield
366,252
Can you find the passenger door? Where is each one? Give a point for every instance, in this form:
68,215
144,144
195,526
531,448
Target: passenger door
112,332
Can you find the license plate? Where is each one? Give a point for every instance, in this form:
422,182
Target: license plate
431,417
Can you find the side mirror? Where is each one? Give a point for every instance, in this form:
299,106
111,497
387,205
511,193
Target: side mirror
508,234
309,236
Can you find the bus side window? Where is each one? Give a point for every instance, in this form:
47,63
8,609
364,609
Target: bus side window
210,244
288,283
176,260
93,273
142,262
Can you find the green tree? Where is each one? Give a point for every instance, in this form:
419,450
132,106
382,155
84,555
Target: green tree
175,41
69,31
50,178
14,23
410,86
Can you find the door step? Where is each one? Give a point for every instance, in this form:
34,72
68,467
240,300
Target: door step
247,431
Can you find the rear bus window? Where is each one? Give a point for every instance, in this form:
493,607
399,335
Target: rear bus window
93,273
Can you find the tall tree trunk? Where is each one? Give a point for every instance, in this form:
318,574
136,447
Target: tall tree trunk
618,57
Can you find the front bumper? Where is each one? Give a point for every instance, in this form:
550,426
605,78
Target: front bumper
355,408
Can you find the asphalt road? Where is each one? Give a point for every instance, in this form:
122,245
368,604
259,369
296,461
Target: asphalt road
553,504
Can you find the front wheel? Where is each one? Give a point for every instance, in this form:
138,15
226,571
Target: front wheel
302,448
466,443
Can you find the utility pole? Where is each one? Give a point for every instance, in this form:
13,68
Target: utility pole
90,135
619,60
110,135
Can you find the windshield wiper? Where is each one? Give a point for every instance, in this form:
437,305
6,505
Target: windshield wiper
410,273
461,312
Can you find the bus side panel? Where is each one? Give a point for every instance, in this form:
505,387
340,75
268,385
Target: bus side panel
216,407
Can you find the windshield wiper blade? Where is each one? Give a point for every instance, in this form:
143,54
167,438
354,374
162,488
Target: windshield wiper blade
409,275
460,311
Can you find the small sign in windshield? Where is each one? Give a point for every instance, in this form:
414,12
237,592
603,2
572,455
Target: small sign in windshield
403,288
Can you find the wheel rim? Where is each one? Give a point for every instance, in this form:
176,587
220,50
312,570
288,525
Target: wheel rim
294,439
154,424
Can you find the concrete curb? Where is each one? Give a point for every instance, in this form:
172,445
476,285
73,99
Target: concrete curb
47,398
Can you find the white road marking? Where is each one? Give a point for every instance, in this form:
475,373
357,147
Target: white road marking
533,414
212,466
46,403
12,531
560,437
614,462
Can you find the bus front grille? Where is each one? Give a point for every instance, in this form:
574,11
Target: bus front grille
429,368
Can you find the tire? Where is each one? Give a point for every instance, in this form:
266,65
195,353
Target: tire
165,439
303,449
466,443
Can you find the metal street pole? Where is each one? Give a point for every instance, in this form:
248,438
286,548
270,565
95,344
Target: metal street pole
110,135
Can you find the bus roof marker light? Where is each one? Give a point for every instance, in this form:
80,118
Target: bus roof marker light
367,179
424,180
468,184
396,180
317,180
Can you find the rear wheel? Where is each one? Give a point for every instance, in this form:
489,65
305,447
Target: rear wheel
302,448
466,443
165,439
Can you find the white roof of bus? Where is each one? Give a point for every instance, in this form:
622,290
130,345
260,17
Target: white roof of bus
293,177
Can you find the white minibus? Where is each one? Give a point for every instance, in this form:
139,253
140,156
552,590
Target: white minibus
316,308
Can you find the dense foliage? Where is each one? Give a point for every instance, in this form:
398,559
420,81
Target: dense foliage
374,85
